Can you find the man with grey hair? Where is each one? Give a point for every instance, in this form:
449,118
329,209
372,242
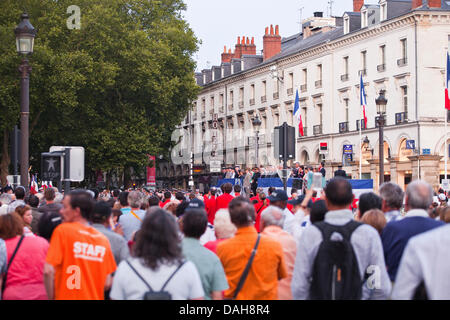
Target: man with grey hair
396,234
131,221
272,220
391,201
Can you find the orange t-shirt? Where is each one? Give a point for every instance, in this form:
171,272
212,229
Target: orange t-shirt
267,268
82,259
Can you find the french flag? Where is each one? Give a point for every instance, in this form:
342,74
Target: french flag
447,97
34,186
363,100
298,114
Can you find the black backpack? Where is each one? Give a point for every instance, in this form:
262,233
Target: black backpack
335,274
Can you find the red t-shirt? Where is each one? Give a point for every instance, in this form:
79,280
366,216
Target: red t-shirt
210,206
223,201
290,206
162,204
259,208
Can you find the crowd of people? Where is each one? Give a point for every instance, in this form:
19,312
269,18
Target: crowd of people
303,175
227,243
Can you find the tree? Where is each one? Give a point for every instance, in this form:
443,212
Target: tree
118,86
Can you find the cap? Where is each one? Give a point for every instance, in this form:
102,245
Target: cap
278,195
442,197
299,200
195,204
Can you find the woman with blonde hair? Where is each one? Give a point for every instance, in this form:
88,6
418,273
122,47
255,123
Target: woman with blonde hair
375,218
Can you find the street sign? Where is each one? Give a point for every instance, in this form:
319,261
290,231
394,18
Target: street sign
76,162
348,149
51,166
410,145
426,152
215,166
446,184
323,148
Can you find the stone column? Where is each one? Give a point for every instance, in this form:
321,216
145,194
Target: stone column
355,170
393,162
429,169
374,172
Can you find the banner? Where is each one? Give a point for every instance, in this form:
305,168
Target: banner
151,172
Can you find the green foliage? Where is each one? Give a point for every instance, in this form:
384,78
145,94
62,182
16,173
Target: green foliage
118,86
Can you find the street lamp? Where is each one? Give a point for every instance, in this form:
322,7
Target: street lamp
25,34
256,125
381,103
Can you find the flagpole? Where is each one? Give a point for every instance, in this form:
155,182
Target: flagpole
360,148
446,149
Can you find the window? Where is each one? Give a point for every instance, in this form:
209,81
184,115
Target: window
304,117
346,24
405,98
203,105
291,80
264,88
319,107
345,65
346,110
212,102
364,18
304,86
252,91
319,72
241,94
364,63
231,97
383,11
221,100
404,49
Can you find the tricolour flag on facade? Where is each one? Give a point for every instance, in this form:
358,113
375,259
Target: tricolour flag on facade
447,85
363,100
298,114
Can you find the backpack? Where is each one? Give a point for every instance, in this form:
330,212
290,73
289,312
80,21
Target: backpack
335,274
156,295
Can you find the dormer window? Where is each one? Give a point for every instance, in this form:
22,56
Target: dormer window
364,17
232,68
213,76
242,65
222,72
383,10
346,24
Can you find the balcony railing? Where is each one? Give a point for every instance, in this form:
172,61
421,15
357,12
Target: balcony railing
276,95
317,130
318,84
401,117
344,77
343,127
381,68
290,91
241,104
304,88
230,107
402,62
363,72
252,102
360,122
263,99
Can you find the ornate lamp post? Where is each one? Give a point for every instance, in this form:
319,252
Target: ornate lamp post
25,34
381,102
256,125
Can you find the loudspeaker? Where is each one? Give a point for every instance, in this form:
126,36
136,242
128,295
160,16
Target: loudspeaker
284,137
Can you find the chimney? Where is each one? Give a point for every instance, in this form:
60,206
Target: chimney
226,56
272,43
357,5
434,3
416,4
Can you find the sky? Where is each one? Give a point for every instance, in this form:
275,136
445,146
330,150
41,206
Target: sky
218,23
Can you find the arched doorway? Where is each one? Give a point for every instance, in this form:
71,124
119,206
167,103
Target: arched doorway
304,158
